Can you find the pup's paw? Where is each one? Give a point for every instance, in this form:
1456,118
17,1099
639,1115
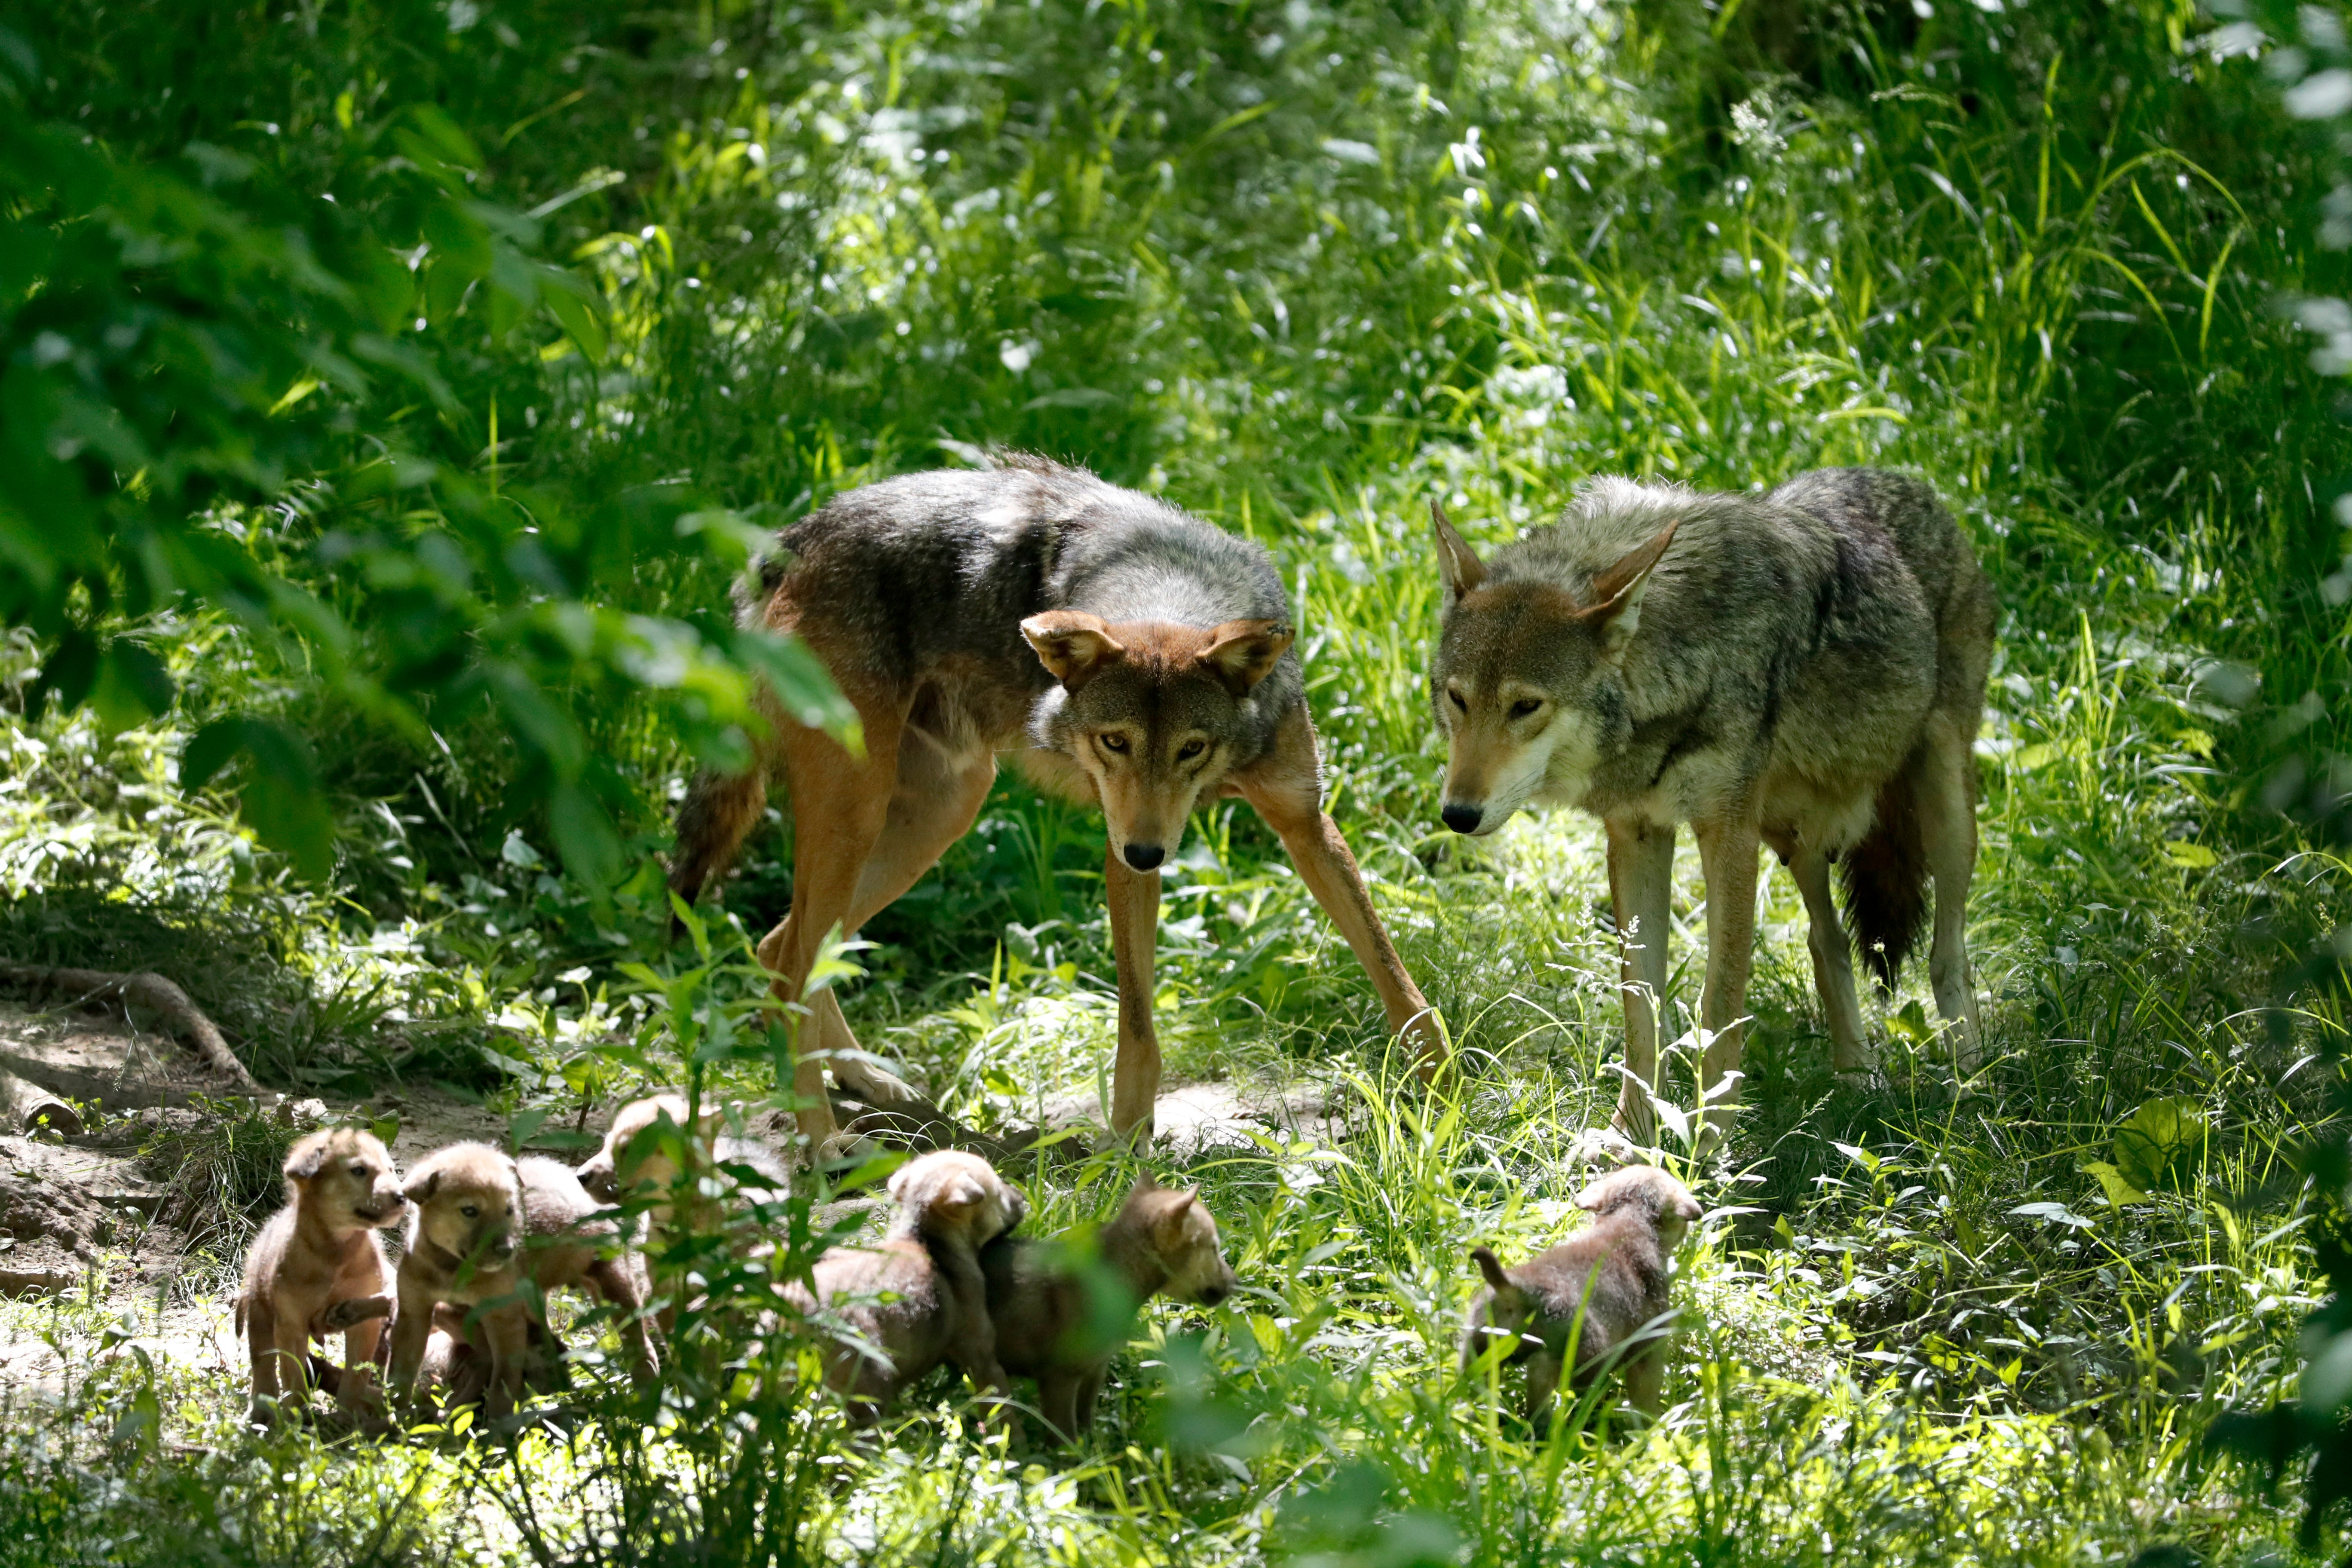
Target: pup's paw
352,1311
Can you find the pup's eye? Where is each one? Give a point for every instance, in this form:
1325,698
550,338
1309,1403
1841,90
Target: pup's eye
1525,706
1114,742
358,1170
1456,699
469,1211
1190,749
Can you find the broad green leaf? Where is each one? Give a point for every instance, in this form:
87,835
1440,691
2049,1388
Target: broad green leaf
2111,1181
2157,1137
802,684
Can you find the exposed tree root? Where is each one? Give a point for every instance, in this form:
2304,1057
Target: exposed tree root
148,990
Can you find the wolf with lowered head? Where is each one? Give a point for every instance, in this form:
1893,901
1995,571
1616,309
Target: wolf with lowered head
1803,669
1593,1304
1049,1323
1132,656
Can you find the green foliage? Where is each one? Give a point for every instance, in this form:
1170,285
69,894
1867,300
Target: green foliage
1299,269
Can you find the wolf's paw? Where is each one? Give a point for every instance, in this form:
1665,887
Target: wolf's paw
352,1311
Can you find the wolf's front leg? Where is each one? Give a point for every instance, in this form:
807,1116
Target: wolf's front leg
1134,929
1286,791
1641,894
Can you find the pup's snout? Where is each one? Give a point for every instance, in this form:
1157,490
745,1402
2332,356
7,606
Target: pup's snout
1145,856
1215,1295
598,1180
1462,818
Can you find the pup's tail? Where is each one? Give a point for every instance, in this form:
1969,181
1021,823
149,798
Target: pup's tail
718,810
1887,880
1491,1266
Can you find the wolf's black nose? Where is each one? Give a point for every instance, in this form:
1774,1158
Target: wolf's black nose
1145,856
1462,818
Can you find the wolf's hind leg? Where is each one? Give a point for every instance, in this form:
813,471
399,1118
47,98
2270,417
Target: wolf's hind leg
1947,833
840,806
1726,847
1641,893
934,805
1832,960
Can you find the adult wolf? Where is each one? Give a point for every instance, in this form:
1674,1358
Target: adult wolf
1806,667
1131,655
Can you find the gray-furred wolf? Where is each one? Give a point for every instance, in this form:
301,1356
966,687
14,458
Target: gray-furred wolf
1131,655
1804,668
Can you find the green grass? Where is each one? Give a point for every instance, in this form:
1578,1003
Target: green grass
1302,269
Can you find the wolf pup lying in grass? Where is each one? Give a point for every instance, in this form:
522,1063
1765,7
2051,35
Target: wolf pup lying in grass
918,1299
1049,1323
323,1248
1804,668
1587,1302
1134,658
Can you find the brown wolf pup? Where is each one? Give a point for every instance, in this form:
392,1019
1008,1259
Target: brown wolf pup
1048,1324
1133,658
484,1227
639,1158
918,1299
1804,668
324,1248
1590,1298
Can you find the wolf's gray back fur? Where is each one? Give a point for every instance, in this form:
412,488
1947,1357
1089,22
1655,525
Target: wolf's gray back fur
935,571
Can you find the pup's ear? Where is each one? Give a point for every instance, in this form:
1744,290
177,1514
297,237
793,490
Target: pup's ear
1168,1228
1592,1198
1617,592
1075,646
1243,653
1491,1268
418,1192
1687,1207
1144,1184
302,1161
1457,562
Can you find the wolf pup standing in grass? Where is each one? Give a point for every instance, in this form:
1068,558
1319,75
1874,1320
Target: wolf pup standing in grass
1595,1303
323,1248
1131,655
1804,668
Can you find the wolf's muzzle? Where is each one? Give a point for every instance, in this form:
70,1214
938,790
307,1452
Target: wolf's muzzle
1462,818
1145,856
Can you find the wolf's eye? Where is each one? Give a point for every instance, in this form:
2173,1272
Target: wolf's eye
1190,749
469,1211
1458,701
360,1170
1114,742
1525,706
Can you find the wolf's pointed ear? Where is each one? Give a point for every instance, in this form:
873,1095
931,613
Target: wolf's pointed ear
1457,562
1075,646
302,1161
1617,592
418,1192
1491,1266
1243,653
1146,1183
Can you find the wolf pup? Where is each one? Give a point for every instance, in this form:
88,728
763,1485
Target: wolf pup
635,1159
1047,1327
324,1248
1806,667
475,1208
918,1299
1135,657
1588,1300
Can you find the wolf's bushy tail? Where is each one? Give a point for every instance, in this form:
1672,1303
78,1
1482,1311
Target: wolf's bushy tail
719,810
1887,880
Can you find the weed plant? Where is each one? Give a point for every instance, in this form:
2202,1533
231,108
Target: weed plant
1302,269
